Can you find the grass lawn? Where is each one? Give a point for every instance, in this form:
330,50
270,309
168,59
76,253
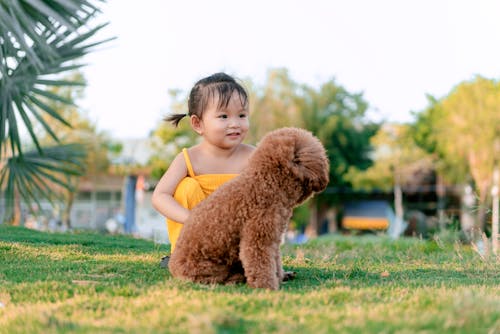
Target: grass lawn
90,283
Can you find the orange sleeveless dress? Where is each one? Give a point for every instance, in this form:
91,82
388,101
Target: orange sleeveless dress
192,190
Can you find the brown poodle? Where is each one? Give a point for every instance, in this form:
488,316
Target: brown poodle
234,235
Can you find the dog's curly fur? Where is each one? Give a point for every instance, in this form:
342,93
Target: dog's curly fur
234,235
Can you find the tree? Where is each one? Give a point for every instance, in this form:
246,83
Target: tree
98,145
463,129
274,105
337,118
398,164
395,151
38,41
334,115
426,133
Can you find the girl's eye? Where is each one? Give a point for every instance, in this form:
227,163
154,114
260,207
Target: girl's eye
243,115
222,116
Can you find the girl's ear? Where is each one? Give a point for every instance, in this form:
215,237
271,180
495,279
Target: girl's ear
196,124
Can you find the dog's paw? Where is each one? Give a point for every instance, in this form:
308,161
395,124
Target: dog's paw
289,275
235,279
270,283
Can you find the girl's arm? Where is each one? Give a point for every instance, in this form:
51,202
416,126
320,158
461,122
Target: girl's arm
163,200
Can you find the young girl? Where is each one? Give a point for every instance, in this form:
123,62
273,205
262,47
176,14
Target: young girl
218,112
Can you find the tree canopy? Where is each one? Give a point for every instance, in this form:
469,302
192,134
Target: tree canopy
396,155
463,130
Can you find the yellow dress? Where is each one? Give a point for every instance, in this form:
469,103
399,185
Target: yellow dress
192,190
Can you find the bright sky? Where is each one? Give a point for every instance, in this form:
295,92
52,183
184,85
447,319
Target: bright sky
395,52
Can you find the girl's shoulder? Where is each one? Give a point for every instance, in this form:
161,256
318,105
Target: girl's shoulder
193,150
179,162
244,157
247,149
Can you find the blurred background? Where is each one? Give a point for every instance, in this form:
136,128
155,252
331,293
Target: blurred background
404,96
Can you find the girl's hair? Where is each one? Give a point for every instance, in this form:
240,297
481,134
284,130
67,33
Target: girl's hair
205,90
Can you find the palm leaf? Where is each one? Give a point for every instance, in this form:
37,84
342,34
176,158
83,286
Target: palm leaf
40,119
59,82
27,121
49,37
39,40
36,177
32,19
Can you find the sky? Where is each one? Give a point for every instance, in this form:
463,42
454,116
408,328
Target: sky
394,52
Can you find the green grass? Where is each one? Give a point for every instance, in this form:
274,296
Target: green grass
90,283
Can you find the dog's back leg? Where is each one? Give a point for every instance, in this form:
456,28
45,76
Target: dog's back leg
200,271
237,274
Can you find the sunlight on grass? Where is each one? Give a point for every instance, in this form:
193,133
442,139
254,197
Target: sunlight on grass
83,283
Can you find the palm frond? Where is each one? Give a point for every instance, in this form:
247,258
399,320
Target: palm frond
35,22
39,176
38,40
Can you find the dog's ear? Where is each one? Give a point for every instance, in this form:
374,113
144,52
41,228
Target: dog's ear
309,162
311,169
298,151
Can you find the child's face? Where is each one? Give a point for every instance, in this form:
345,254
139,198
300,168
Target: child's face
225,128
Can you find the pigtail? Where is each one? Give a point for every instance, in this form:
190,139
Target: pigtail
175,118
219,84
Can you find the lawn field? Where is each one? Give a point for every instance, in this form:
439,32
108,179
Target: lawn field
91,283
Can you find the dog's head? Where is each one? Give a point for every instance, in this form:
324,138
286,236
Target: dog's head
299,154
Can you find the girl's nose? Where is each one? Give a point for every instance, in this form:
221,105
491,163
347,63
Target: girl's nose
233,122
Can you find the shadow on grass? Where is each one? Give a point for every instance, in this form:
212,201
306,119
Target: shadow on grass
108,272
29,256
92,242
314,278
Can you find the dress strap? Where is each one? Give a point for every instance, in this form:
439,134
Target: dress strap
188,162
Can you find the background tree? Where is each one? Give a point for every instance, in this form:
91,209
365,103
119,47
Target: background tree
401,168
334,115
274,105
469,129
337,118
426,133
38,41
395,151
462,128
100,148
